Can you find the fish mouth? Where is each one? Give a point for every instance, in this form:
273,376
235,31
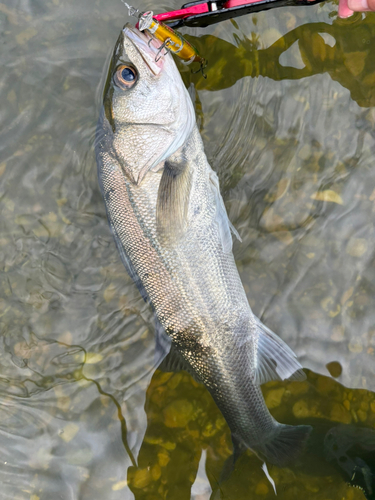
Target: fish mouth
147,50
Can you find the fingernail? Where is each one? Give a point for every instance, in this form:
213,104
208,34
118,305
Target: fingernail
358,5
344,12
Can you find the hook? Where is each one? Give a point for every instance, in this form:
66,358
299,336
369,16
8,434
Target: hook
163,46
203,66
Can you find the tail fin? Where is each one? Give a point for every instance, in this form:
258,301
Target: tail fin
285,445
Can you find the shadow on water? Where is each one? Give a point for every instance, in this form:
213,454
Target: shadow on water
294,153
324,48
184,424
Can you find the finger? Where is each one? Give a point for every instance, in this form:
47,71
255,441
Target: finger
344,10
361,5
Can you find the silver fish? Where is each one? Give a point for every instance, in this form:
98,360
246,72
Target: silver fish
174,237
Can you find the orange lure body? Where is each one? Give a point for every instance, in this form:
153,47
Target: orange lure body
171,40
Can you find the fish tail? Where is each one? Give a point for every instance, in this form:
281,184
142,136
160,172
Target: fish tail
286,444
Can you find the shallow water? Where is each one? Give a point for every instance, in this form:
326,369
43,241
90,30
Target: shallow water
287,114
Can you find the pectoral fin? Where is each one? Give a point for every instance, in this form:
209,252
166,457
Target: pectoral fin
173,201
275,360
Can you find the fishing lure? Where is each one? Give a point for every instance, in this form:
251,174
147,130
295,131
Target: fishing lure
172,41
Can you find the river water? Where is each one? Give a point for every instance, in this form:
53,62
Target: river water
287,115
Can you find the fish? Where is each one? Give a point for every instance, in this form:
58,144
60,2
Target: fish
174,237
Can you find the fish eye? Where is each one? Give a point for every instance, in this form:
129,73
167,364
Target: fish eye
125,76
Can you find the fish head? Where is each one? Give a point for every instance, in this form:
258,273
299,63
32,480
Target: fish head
146,104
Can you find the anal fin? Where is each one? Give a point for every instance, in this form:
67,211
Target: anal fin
275,359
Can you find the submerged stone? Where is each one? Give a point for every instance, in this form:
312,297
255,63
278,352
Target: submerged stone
178,413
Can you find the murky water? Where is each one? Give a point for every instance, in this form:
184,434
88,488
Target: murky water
287,114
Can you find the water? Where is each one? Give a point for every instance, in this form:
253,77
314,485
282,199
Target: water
288,120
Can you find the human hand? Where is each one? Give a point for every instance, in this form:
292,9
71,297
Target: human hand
348,7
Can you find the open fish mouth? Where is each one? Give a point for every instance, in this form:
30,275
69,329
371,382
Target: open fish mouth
148,50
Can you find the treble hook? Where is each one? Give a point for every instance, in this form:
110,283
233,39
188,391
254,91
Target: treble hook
152,38
201,69
163,46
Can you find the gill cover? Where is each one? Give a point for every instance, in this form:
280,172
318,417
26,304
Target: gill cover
152,119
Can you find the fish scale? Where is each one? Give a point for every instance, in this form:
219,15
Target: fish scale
173,234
